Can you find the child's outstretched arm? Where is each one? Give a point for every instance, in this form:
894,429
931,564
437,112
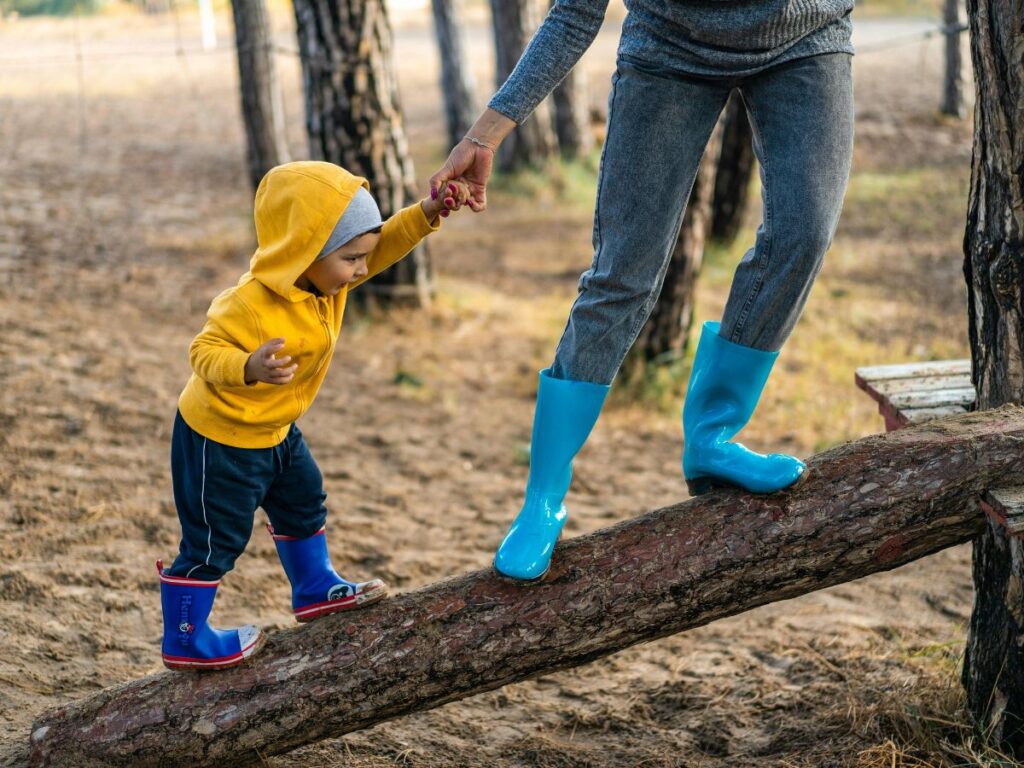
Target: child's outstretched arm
404,231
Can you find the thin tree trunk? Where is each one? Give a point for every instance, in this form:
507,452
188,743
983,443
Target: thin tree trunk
953,86
533,142
572,114
353,118
664,337
457,84
735,169
993,672
262,106
867,506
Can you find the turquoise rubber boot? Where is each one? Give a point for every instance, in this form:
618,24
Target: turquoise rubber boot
565,414
725,385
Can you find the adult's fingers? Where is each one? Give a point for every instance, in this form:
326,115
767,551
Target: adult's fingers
442,177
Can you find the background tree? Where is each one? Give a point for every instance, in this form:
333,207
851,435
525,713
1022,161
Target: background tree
572,115
533,142
353,118
457,83
262,106
993,671
735,167
953,90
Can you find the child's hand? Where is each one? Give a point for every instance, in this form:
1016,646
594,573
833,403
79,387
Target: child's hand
262,364
452,197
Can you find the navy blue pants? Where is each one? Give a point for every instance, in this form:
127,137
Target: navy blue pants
217,489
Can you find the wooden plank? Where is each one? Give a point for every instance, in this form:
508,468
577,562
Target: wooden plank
937,399
911,370
1006,506
921,415
890,387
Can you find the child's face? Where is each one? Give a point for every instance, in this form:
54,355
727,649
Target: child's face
341,267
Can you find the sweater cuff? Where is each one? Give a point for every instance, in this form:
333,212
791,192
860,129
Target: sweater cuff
234,369
415,223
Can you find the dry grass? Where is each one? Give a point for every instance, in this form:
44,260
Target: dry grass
136,220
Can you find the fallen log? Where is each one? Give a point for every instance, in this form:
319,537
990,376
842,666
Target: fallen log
867,506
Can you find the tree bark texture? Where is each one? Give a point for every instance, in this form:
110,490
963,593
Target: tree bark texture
993,672
354,119
735,168
533,142
457,83
262,105
867,506
953,83
665,335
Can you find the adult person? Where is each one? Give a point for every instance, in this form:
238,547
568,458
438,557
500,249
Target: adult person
677,64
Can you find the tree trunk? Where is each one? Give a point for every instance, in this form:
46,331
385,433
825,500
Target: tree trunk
867,506
993,672
953,87
262,106
665,335
572,114
353,118
456,78
533,142
735,169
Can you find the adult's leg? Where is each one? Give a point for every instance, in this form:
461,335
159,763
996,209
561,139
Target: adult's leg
658,127
802,117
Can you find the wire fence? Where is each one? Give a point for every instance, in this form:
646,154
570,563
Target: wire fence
195,48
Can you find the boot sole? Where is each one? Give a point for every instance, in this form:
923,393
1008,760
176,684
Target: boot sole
702,485
520,582
361,600
203,665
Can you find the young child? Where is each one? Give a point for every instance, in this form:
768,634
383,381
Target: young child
257,365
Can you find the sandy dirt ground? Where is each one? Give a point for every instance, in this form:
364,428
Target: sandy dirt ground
124,207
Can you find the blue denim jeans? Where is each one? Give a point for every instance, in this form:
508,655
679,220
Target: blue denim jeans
659,123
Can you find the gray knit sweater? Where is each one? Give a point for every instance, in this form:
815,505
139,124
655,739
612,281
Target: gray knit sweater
698,37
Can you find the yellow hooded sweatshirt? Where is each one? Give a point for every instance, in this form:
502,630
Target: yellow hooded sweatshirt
297,206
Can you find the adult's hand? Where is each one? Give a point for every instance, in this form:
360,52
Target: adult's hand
472,164
472,160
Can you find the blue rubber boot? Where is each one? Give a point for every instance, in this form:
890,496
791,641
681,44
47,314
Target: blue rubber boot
316,588
565,414
191,643
725,385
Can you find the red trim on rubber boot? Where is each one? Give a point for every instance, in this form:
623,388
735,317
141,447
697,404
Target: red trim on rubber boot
224,662
316,610
282,537
182,580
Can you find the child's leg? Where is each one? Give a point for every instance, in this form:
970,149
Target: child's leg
216,491
658,127
802,118
294,501
295,505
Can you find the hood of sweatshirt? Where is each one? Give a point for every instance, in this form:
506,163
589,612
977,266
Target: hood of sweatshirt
297,206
